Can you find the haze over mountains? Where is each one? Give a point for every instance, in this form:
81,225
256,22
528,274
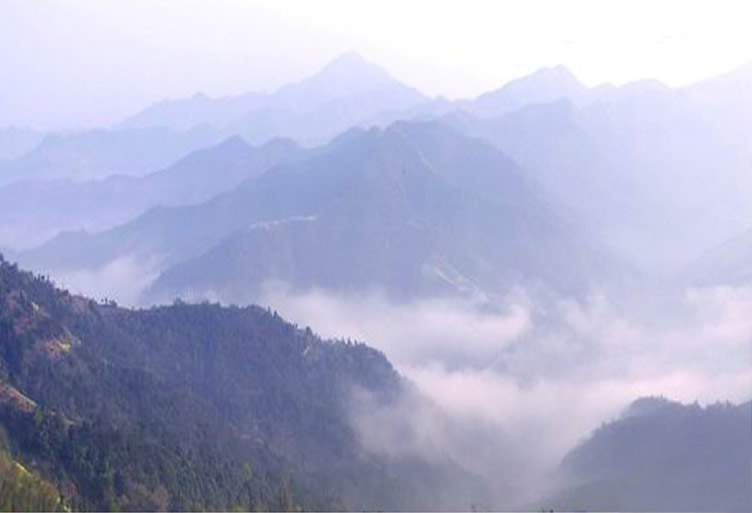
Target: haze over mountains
406,210
414,209
347,92
664,455
99,153
662,174
530,262
658,202
40,209
14,142
728,264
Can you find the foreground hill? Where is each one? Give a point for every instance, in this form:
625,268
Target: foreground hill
664,456
414,209
193,407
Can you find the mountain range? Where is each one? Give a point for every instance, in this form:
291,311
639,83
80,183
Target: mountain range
661,174
534,217
96,154
37,210
414,209
348,91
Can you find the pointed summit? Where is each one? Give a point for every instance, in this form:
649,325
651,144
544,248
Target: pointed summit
347,91
348,79
559,72
543,86
350,74
351,62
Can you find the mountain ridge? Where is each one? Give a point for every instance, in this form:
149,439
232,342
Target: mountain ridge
347,91
418,195
661,455
40,209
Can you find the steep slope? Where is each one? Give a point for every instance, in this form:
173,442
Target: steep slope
100,153
37,210
195,407
424,213
414,209
348,91
664,456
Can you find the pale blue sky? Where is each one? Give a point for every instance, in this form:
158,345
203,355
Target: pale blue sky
78,63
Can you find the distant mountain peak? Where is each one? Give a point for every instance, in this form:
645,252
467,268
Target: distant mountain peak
348,59
234,141
647,406
542,86
558,71
342,80
553,76
351,65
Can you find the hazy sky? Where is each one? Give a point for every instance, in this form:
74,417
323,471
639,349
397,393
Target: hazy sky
82,63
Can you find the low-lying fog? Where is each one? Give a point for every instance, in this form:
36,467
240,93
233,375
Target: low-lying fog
543,374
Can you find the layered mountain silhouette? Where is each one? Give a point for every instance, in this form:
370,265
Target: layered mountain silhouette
664,456
37,210
100,153
414,209
544,86
351,182
662,174
348,91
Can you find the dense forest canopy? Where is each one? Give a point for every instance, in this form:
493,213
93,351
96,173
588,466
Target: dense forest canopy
185,406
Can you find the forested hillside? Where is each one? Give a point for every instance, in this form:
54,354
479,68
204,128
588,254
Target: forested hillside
664,456
190,407
20,490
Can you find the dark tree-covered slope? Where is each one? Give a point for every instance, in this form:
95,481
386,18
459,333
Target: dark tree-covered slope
191,406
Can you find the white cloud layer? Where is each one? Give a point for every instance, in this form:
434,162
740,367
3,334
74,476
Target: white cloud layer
522,382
